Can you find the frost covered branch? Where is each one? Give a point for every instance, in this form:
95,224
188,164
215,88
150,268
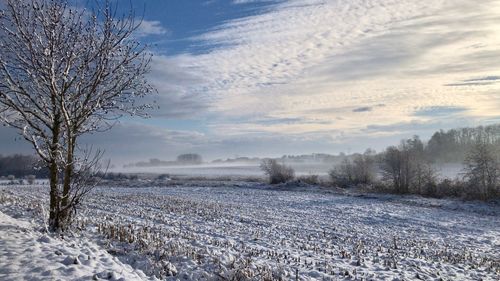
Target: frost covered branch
66,72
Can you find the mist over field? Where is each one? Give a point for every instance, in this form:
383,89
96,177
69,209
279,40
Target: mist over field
232,169
244,169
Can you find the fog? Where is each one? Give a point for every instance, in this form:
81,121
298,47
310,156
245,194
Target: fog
225,169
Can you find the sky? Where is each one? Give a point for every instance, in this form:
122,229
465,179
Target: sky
275,77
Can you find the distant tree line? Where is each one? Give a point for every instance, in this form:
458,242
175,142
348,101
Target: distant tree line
452,145
409,167
183,159
18,165
189,158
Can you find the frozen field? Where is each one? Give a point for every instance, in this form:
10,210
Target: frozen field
251,232
28,254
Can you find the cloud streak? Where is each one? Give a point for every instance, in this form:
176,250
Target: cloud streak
299,57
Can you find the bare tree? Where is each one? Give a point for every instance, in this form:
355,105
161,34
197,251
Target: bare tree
406,167
360,170
392,168
482,170
66,72
364,165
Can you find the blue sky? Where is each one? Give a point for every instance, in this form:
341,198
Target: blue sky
185,20
267,78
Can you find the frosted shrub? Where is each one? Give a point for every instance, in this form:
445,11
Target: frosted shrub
310,179
31,179
351,173
277,173
11,179
96,73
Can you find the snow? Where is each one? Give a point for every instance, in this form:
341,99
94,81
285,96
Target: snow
255,231
28,254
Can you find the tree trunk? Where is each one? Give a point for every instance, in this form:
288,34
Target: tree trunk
54,214
68,174
54,197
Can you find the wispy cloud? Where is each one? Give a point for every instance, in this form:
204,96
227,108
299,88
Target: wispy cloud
175,83
330,60
363,109
482,81
437,111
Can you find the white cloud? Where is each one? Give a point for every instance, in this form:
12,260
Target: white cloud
276,47
175,83
147,28
317,61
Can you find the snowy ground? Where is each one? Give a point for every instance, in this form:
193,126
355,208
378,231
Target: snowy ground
28,254
250,230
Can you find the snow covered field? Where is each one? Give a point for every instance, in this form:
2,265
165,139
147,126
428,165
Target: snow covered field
250,230
28,254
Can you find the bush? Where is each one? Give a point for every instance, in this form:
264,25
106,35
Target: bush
450,188
310,179
351,173
277,173
444,188
163,177
31,179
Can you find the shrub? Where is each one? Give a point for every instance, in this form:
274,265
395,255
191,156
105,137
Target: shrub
163,177
450,188
277,173
343,174
31,179
444,188
350,173
309,179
